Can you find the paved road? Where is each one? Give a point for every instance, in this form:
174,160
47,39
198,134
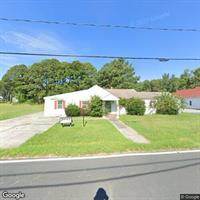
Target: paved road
152,177
14,132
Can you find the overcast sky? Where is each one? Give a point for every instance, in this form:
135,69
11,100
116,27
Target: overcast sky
90,40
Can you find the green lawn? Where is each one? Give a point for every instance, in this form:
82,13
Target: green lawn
8,110
100,136
167,131
97,136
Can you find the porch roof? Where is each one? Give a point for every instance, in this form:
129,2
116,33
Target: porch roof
109,98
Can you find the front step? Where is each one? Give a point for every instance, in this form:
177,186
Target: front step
111,116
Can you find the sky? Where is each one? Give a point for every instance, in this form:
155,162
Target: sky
44,38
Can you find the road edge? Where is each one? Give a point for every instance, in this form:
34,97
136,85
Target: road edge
97,156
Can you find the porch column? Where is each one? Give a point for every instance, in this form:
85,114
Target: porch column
118,111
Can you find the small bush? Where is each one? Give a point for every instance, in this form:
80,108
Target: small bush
123,102
135,106
85,111
96,107
72,110
168,104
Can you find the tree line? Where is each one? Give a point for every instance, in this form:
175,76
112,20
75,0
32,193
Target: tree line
188,79
51,76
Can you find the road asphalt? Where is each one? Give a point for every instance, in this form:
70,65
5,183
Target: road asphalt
144,177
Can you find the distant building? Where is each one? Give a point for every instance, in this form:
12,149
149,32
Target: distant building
191,97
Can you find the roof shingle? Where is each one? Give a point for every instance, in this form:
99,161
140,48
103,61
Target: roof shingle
129,93
195,92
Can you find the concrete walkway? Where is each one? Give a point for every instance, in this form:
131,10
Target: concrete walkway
128,132
16,131
195,111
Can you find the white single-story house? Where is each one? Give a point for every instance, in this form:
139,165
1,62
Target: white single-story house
191,97
55,105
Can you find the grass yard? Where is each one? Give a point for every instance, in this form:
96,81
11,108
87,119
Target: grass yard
100,136
167,131
8,110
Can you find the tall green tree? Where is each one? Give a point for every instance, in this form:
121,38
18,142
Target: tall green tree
14,80
146,86
155,85
81,75
185,80
196,77
169,84
50,77
2,89
165,82
43,78
151,85
119,73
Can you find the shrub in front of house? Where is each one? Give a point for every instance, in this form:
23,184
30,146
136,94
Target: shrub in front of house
72,110
135,106
96,107
168,104
123,102
85,111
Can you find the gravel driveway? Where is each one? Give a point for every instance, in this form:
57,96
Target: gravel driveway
14,132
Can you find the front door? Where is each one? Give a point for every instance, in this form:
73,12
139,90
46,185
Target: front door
108,106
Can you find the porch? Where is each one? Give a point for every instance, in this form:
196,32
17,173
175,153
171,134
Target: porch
111,107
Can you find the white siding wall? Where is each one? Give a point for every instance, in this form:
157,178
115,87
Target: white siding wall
149,110
69,98
195,103
122,111
49,109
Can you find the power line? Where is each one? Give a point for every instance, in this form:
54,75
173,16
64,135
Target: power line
161,59
100,25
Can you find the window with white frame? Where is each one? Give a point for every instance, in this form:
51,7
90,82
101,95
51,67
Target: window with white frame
84,104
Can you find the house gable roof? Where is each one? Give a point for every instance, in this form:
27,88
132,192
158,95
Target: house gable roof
147,95
86,94
102,93
195,92
106,94
129,93
122,93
